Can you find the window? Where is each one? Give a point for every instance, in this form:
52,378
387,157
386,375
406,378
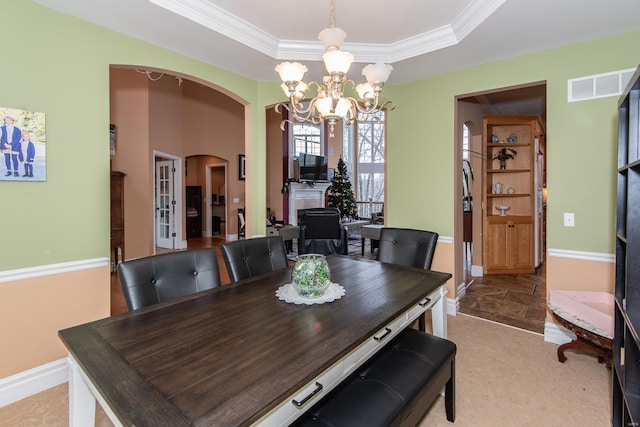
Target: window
306,139
364,151
465,142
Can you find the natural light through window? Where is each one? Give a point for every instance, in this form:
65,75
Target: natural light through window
364,152
306,139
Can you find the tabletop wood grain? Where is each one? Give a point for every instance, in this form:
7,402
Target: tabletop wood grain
228,355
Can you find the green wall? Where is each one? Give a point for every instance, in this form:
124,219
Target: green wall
581,139
61,67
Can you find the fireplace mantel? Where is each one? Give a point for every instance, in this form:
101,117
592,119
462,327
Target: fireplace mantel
304,196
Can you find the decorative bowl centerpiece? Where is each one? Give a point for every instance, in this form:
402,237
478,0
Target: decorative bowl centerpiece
503,209
310,276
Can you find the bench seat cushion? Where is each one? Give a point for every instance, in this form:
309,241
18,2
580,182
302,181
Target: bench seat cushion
396,387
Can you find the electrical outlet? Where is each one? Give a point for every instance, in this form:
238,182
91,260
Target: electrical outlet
569,220
236,200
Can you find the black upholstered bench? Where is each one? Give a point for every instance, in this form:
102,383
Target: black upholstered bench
395,388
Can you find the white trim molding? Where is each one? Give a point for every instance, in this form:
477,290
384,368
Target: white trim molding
33,381
453,306
51,269
585,256
223,22
557,334
445,239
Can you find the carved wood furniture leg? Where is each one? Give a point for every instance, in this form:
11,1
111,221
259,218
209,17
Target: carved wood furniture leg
585,342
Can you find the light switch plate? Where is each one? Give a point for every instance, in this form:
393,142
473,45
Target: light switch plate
569,220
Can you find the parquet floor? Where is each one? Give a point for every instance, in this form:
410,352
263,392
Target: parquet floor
517,300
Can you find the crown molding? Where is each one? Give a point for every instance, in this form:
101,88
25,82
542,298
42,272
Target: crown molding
219,20
229,25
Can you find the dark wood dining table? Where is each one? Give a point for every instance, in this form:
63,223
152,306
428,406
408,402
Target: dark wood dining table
238,355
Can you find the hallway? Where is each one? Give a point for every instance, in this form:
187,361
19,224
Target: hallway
517,300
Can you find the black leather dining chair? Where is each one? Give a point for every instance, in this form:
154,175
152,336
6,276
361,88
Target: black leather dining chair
408,247
160,278
321,233
250,257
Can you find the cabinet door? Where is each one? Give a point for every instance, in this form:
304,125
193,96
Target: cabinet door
520,249
495,247
508,246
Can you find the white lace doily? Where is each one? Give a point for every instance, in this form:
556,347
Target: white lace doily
288,293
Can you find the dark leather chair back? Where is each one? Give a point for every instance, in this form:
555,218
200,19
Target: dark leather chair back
159,278
248,258
303,212
411,248
322,233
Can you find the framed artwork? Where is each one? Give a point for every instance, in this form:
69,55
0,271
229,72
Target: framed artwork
242,167
22,145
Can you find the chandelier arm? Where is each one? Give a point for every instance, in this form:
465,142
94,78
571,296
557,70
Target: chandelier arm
280,106
283,123
389,104
330,103
299,109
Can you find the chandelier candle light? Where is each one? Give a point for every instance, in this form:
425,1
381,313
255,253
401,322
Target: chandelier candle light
330,104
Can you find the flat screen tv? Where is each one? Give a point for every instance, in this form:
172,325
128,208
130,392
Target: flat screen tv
313,168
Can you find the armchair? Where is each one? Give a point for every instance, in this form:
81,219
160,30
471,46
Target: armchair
322,233
378,217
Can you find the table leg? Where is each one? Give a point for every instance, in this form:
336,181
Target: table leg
439,314
82,403
362,247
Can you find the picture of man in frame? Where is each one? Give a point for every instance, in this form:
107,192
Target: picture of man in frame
10,144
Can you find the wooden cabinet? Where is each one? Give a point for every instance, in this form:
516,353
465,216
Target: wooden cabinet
626,344
510,248
117,219
513,235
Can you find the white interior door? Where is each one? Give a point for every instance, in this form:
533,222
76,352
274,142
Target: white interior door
165,204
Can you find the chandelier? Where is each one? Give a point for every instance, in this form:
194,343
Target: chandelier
330,104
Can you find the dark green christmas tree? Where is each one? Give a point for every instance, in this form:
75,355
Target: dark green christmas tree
341,193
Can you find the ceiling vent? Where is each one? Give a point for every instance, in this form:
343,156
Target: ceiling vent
598,85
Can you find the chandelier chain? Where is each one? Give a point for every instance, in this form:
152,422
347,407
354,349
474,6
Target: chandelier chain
332,9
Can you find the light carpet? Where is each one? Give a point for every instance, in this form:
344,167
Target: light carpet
504,377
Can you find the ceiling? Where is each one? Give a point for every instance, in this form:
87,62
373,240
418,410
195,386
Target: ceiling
420,38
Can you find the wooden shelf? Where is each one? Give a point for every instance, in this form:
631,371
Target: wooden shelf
626,344
509,242
507,145
508,195
508,170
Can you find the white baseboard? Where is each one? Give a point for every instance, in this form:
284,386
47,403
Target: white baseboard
453,306
33,381
477,271
556,334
